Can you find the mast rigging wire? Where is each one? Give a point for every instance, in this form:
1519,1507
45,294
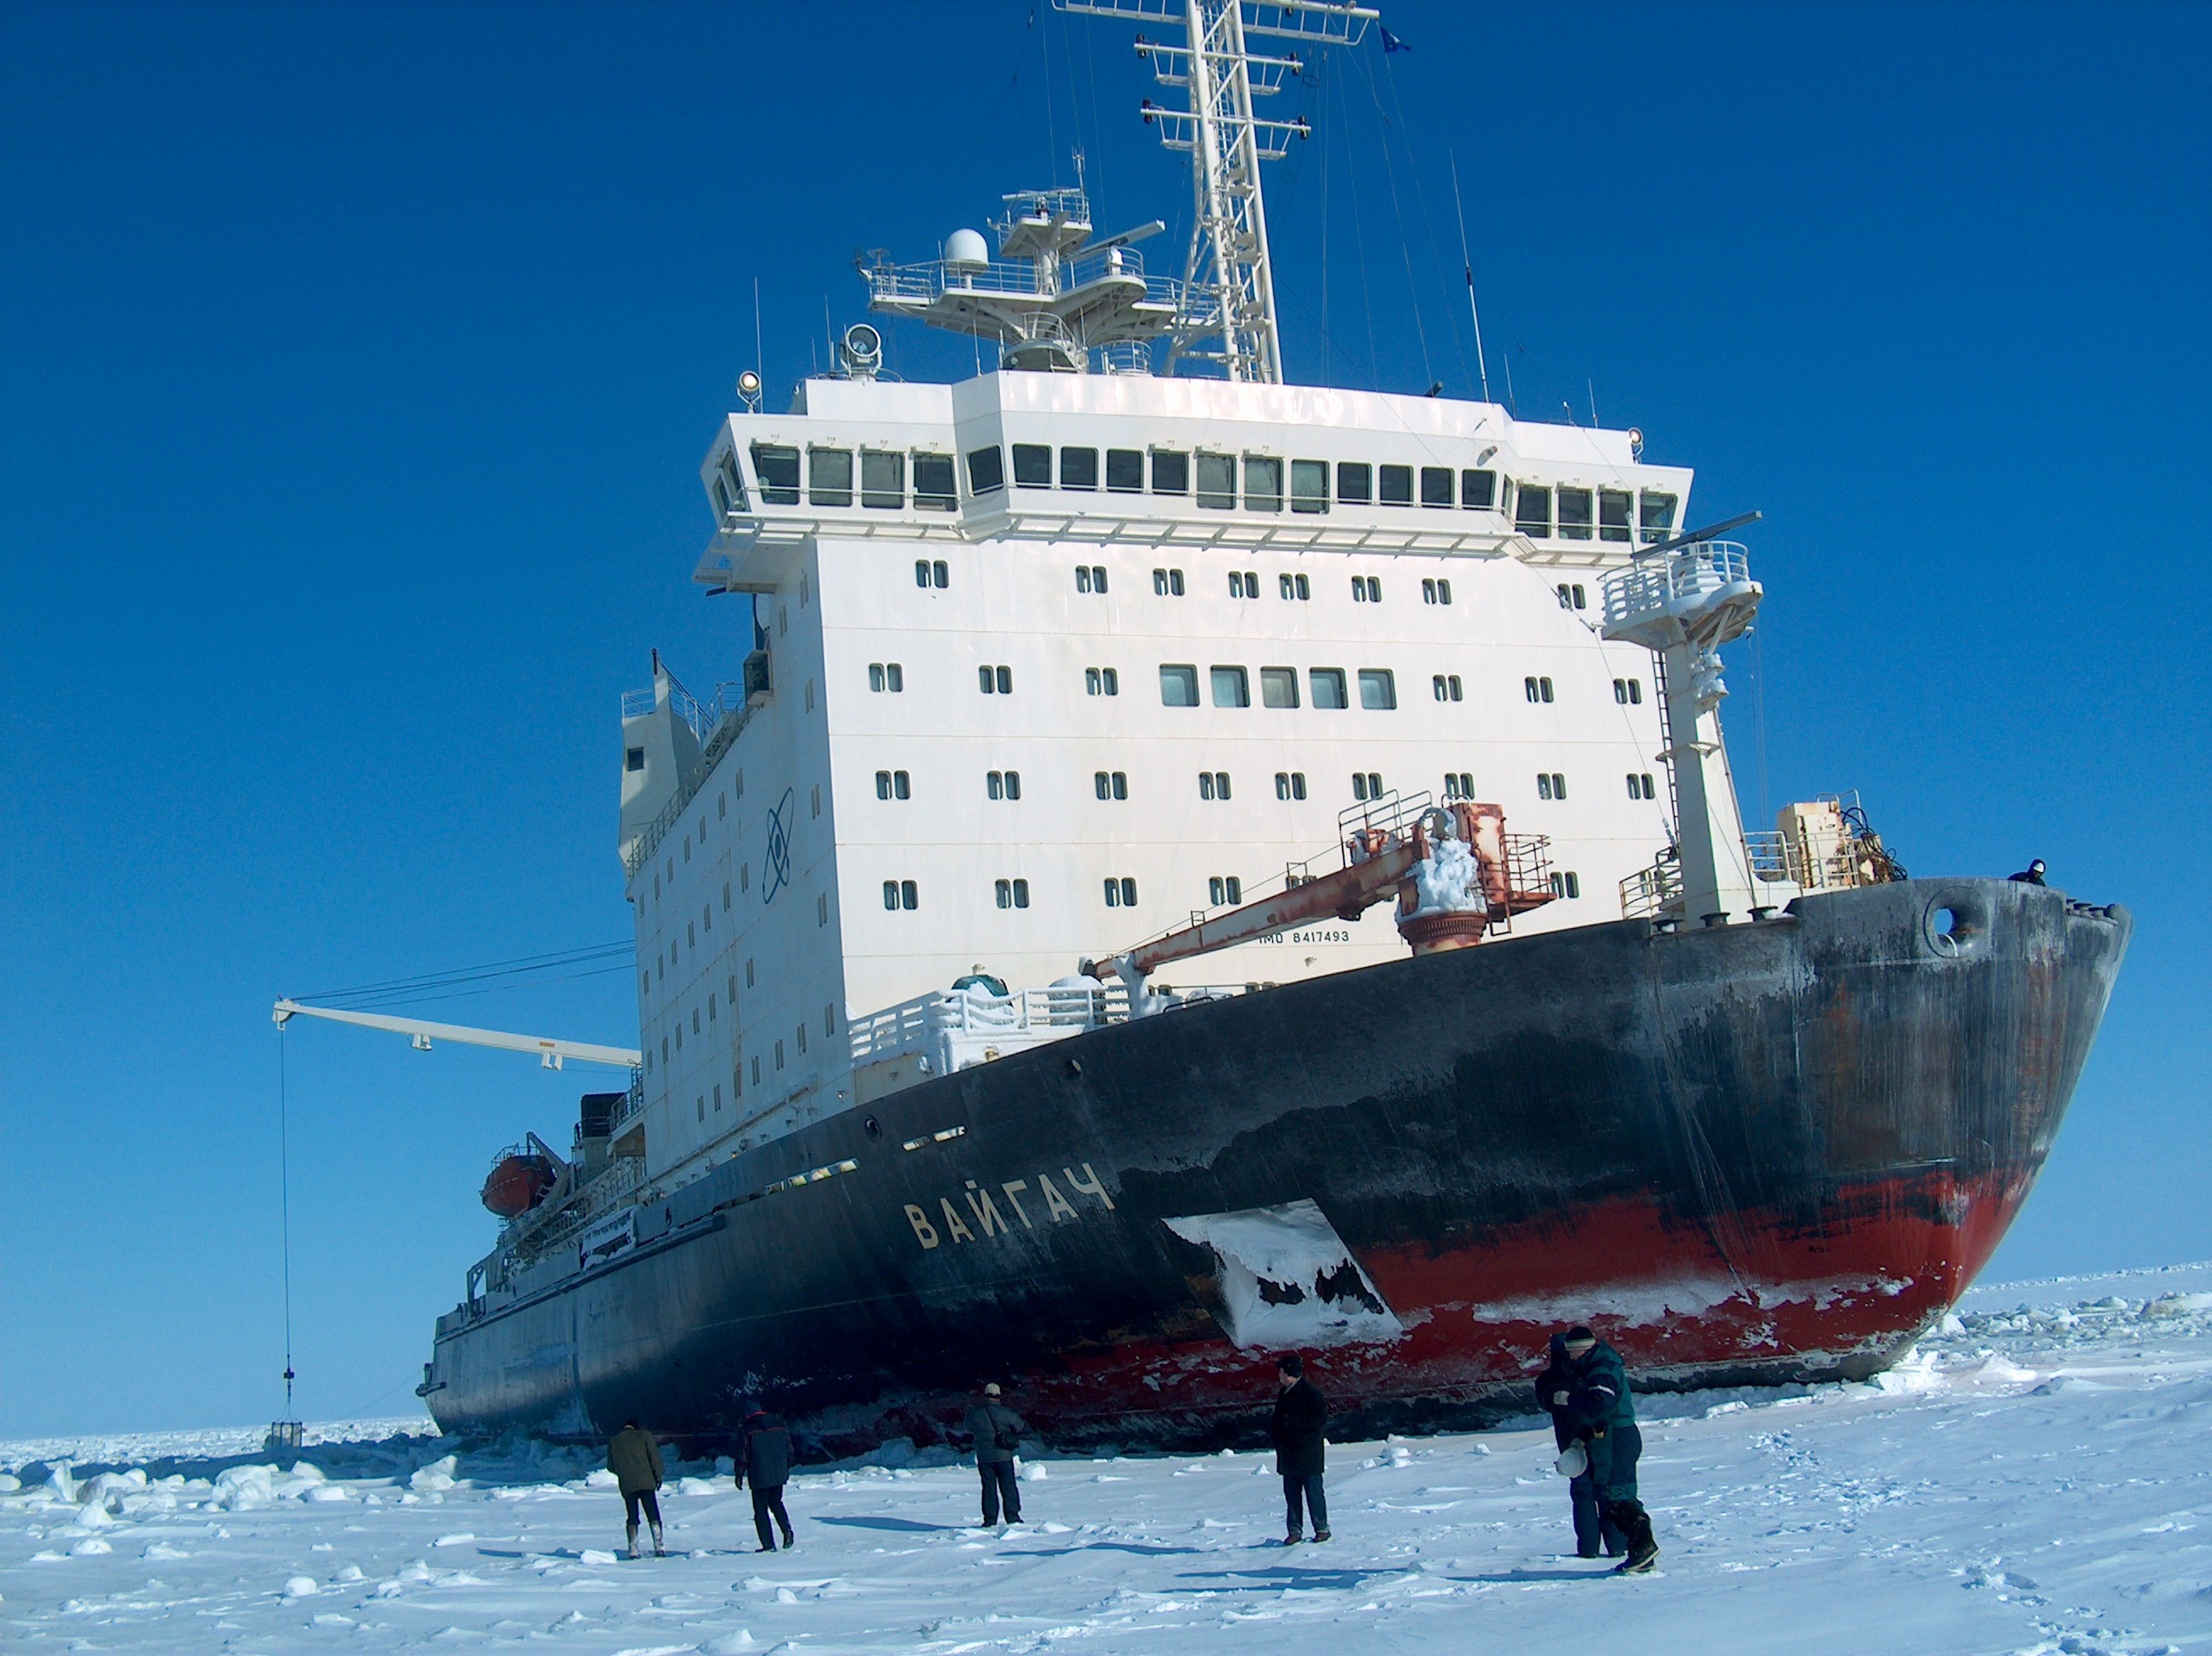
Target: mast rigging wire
1467,263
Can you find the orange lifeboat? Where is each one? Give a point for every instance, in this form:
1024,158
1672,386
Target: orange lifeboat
518,1182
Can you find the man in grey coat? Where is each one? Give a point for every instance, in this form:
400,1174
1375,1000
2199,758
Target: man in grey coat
996,1430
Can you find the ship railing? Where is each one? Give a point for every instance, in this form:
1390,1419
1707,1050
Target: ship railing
719,723
1674,581
928,282
956,1026
1653,892
1392,814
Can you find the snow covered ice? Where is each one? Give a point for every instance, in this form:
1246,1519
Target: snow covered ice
2033,1480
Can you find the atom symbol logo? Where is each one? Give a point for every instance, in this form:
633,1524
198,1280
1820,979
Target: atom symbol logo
777,874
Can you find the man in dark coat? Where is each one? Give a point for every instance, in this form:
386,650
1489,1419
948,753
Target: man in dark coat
1595,1533
634,1457
1596,1402
765,1458
1301,1450
997,1430
2032,874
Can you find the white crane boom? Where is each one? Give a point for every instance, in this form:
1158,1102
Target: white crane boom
551,1052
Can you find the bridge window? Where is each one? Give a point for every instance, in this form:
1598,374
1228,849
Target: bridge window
1436,485
1378,689
1170,473
1263,484
829,476
1397,485
1125,471
1079,468
1230,687
882,479
934,490
1532,513
987,470
1574,514
1216,481
1327,686
776,465
1355,481
1178,685
1309,485
1657,516
1613,506
1478,490
1032,465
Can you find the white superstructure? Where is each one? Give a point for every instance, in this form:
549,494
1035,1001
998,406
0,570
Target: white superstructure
1044,663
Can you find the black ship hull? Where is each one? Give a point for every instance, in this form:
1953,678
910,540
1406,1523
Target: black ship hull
1771,1151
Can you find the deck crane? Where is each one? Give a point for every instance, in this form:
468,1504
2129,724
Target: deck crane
551,1051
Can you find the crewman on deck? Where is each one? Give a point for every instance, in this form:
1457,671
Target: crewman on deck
765,1458
1301,1450
2032,874
1595,1533
634,1457
1596,1399
997,1430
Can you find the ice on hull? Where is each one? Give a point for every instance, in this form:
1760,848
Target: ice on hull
1771,1151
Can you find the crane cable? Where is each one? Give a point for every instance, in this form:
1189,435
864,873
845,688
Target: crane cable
284,1191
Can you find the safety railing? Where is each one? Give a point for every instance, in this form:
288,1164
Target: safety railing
730,711
1674,581
1653,892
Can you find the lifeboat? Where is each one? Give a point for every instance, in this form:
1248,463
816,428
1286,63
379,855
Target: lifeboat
518,1182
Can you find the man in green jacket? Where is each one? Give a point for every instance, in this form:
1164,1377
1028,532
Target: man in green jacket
634,1457
1592,1396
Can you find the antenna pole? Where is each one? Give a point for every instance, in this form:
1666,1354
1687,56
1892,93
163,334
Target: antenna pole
284,1188
760,356
1467,263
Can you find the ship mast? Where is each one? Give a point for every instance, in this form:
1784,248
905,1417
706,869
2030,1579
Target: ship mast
1229,269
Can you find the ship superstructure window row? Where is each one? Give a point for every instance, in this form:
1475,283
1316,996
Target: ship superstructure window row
826,476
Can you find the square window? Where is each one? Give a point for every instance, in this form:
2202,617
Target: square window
634,758
882,479
1613,509
777,467
1532,514
1079,468
1279,687
1170,473
1230,687
1216,481
987,475
1397,485
1355,481
1032,465
1178,686
1436,485
1263,484
1574,514
829,476
1657,515
934,490
1309,485
1478,489
1327,685
1125,471
1378,689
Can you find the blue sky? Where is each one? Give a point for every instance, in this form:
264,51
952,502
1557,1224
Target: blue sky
358,361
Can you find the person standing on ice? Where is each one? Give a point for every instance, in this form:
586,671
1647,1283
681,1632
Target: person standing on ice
996,1429
1301,1450
634,1457
1594,1532
1595,1400
765,1456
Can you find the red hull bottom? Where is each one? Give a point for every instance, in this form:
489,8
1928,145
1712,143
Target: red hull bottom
1756,1297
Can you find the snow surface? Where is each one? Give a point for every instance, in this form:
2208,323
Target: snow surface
2034,1479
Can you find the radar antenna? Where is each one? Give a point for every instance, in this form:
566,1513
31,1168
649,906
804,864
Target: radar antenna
1229,268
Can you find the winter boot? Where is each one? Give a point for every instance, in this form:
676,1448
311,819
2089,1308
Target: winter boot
1643,1550
630,1531
1292,1538
788,1542
1321,1535
658,1550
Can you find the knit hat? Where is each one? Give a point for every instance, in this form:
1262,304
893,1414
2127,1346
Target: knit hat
992,1389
